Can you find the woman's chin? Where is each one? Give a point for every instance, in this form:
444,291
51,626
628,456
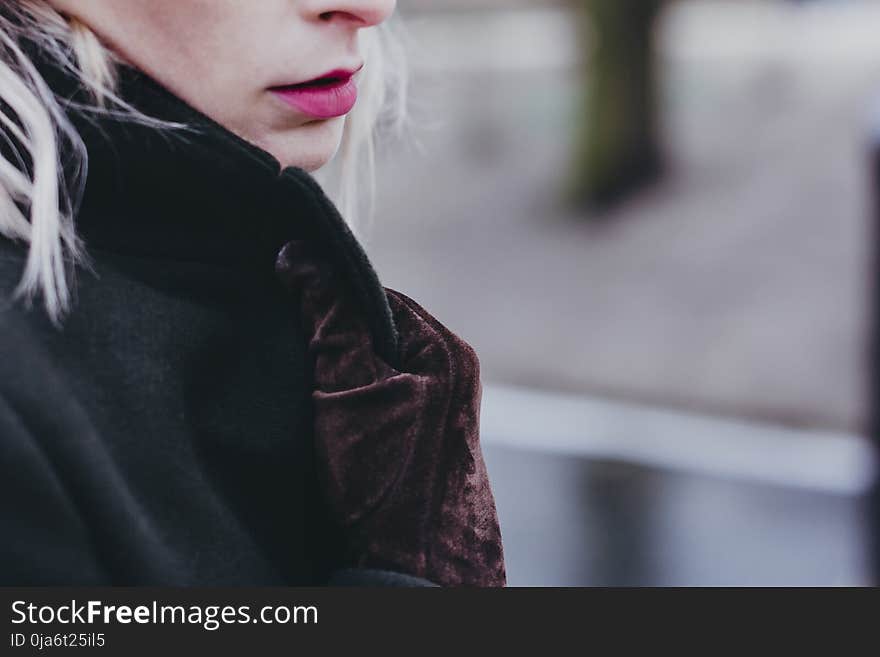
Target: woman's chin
309,146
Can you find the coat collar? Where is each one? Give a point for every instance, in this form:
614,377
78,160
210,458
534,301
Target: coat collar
204,194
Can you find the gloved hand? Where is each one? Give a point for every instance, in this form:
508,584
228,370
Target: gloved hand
398,449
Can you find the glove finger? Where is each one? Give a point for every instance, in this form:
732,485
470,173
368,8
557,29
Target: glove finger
421,332
340,339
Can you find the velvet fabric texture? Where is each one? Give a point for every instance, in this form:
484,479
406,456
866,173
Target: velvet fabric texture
398,448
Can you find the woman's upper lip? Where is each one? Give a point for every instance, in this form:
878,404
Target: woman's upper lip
341,73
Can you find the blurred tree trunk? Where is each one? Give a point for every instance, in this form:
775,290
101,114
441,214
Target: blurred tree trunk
617,146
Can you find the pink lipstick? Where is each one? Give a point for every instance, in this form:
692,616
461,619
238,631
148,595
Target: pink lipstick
331,94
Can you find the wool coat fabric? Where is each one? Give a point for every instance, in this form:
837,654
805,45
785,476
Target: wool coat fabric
235,398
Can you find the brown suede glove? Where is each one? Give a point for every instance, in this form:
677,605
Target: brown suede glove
399,453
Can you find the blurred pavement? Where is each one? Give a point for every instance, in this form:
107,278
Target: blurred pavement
737,286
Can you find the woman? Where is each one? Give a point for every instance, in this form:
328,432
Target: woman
216,388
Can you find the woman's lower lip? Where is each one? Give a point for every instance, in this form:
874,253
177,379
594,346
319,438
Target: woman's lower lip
321,102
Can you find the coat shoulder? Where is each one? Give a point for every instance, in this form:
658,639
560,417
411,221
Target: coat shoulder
27,373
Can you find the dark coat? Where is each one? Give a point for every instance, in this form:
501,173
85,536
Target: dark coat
165,434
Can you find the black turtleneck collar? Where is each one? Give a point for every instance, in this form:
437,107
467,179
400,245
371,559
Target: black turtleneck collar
197,194
203,194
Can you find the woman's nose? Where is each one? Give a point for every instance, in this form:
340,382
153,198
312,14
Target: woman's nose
365,13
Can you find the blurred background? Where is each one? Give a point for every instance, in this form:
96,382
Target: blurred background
654,222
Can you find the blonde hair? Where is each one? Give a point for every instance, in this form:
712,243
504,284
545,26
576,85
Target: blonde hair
38,200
